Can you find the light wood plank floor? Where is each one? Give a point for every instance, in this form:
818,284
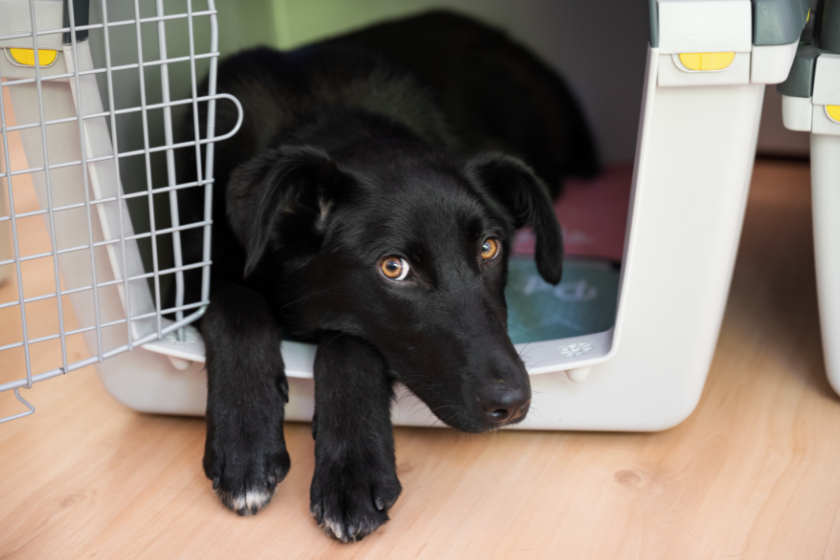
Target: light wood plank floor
753,473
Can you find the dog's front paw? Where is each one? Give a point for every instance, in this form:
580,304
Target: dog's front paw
350,500
245,470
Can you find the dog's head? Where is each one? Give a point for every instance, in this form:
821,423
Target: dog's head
406,248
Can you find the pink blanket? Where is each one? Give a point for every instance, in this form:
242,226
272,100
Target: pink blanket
593,215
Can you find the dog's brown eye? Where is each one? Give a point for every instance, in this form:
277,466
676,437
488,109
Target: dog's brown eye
489,249
394,268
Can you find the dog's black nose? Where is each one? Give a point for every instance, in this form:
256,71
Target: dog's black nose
502,405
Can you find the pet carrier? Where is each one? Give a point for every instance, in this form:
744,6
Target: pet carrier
639,363
811,103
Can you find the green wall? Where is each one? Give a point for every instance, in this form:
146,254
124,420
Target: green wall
246,23
300,21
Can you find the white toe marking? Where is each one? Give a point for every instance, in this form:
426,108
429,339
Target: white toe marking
334,527
249,500
256,498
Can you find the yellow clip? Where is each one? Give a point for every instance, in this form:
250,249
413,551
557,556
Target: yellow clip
707,61
833,112
27,56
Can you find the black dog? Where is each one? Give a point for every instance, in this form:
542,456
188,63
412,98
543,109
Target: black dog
352,210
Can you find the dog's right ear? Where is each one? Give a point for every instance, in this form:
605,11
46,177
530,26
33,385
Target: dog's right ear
514,185
283,193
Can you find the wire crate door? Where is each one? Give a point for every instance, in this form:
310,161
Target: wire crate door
72,157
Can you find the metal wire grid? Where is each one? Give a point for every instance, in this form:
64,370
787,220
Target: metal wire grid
184,313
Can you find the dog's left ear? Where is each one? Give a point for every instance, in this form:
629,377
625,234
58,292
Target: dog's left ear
514,185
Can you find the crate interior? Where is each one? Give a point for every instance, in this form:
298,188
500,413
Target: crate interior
592,212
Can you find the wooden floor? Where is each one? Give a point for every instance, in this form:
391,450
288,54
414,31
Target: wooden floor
753,473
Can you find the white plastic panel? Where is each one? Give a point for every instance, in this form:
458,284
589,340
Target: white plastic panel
811,114
822,123
827,80
771,64
797,113
16,21
825,186
698,26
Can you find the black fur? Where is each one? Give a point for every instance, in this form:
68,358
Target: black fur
245,447
345,158
355,481
496,94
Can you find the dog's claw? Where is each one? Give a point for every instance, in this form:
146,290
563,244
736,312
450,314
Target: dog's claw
336,529
317,513
353,510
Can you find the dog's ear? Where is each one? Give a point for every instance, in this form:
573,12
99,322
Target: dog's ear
284,192
514,185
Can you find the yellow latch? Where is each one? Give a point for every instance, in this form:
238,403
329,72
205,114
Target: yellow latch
833,112
27,56
707,61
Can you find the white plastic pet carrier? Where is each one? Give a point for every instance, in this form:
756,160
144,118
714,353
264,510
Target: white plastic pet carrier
811,103
707,65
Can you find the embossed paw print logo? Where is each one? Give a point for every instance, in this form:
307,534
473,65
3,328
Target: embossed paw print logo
577,349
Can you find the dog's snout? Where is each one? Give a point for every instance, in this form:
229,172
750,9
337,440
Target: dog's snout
504,405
